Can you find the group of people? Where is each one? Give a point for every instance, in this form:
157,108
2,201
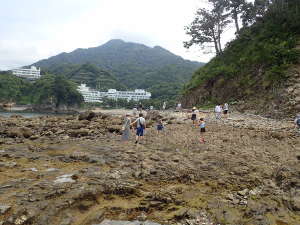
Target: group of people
140,125
219,109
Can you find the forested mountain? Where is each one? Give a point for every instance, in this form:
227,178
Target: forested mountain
134,65
89,74
260,68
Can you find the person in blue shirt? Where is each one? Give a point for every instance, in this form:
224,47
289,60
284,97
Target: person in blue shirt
202,130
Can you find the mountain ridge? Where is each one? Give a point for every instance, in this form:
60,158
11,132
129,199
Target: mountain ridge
133,65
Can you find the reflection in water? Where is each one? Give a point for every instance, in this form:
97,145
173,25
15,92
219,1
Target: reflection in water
115,222
25,114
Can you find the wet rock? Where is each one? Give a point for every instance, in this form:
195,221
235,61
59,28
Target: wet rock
230,197
4,209
79,133
8,164
21,220
243,192
295,202
87,116
13,133
114,222
153,115
52,170
67,178
114,129
26,132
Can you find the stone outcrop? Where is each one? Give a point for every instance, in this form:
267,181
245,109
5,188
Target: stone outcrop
62,170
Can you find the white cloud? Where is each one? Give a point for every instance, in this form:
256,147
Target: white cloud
63,25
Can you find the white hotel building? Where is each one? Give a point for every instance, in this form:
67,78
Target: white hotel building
90,95
32,74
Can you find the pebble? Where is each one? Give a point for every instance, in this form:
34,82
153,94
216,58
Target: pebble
67,178
52,170
4,208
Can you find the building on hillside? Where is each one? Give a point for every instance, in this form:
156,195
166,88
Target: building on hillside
90,95
136,95
32,74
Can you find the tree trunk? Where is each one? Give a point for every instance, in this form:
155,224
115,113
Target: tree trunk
219,39
220,46
236,21
216,44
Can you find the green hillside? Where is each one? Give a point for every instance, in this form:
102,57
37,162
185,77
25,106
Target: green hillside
134,65
49,90
256,67
94,77
14,89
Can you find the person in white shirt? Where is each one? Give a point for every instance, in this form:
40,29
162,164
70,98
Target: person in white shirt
134,111
179,106
218,111
164,106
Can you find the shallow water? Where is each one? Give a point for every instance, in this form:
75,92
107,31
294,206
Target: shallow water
24,114
115,222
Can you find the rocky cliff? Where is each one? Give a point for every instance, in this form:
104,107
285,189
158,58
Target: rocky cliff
259,71
277,101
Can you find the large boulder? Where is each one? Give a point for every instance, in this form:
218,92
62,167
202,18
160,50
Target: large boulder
19,132
89,115
114,129
153,115
79,133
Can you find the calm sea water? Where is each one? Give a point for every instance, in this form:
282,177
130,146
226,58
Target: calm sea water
114,222
24,114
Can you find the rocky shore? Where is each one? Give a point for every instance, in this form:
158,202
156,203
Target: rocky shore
74,170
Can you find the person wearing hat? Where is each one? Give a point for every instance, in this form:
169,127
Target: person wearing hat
126,128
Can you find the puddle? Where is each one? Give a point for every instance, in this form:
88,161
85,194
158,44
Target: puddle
115,222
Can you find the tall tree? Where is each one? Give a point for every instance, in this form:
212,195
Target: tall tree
235,7
208,26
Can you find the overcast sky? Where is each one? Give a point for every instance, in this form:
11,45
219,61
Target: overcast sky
31,30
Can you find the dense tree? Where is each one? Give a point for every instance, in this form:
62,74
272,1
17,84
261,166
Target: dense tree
56,91
262,52
208,26
14,89
235,7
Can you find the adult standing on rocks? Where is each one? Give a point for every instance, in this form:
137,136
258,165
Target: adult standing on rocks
225,110
218,111
297,122
140,128
126,128
164,106
194,115
134,111
140,107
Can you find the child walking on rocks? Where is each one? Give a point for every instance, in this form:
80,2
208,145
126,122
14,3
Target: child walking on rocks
202,130
160,126
297,122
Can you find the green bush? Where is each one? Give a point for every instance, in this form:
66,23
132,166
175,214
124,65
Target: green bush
266,48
